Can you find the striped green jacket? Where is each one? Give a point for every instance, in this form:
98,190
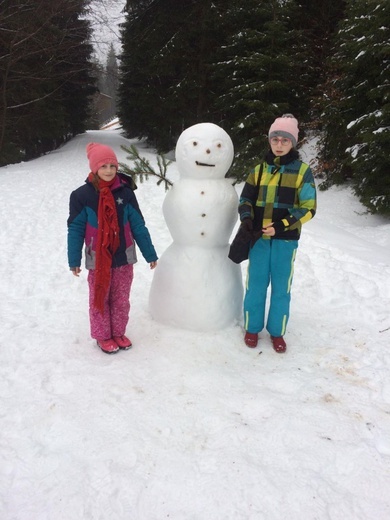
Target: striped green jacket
285,195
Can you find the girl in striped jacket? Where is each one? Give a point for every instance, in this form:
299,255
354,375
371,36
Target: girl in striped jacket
279,196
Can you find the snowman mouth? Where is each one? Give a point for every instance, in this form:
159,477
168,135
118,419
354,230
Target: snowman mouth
204,164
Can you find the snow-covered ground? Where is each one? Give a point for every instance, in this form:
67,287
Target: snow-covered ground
185,425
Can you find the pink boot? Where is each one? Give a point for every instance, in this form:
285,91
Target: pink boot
123,342
108,346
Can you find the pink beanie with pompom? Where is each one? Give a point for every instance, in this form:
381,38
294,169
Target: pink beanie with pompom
99,154
285,126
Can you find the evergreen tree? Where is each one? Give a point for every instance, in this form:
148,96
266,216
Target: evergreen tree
256,72
74,64
105,106
45,75
317,22
357,113
165,83
111,77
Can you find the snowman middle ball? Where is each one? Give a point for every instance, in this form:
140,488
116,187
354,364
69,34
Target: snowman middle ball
201,208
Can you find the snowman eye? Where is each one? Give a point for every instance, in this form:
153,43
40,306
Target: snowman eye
195,143
219,145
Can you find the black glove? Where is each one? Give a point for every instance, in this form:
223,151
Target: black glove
279,227
246,229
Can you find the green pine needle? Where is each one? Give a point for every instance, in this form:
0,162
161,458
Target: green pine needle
141,168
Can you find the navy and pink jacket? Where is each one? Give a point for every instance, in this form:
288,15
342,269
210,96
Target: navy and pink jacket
83,226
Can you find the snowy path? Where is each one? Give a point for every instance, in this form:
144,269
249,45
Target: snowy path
190,426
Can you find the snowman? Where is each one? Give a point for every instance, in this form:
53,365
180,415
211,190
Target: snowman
196,286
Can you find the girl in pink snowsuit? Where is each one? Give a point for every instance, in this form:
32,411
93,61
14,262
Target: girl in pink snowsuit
104,216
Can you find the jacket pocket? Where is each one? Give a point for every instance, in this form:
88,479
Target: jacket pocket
131,254
90,255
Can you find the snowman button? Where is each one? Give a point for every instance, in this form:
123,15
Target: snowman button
202,233
203,214
202,192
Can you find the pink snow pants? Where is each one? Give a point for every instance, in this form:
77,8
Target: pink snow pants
115,317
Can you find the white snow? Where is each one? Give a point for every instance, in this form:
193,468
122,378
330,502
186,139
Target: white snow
187,425
355,149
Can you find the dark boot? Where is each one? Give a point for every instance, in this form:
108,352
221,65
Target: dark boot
278,344
251,339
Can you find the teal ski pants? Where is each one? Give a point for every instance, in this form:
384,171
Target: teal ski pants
270,262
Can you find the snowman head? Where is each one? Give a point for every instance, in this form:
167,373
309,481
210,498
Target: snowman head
204,151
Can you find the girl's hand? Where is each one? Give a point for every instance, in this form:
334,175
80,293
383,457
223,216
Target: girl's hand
76,271
153,264
269,231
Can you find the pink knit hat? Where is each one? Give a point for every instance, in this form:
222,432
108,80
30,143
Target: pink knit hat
99,154
285,126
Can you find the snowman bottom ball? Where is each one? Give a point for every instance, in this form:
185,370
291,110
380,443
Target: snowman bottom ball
196,289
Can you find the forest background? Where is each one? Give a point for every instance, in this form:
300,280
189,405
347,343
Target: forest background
236,63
